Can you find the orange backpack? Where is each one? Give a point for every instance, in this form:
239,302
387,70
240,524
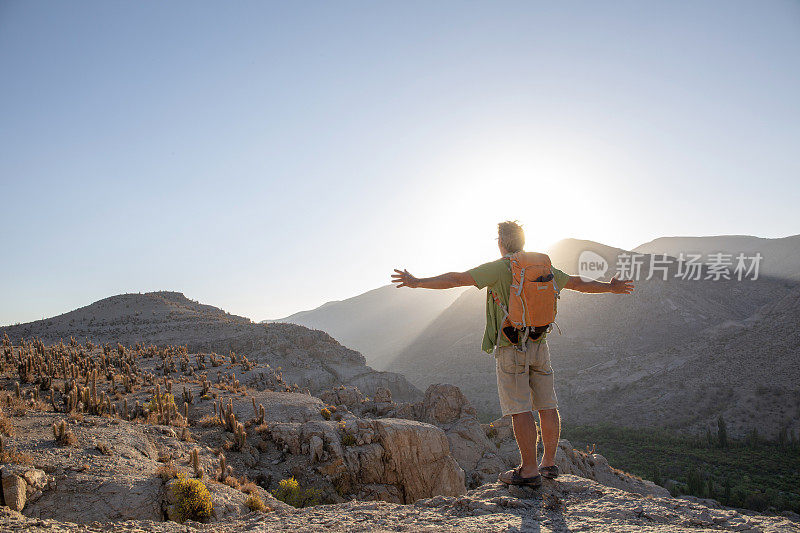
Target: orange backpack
532,299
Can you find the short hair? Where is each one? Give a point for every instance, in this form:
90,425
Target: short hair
511,236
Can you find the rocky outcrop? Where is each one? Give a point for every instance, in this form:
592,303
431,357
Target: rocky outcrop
116,468
570,461
88,485
446,407
228,502
569,504
418,457
22,485
123,483
390,459
348,396
485,450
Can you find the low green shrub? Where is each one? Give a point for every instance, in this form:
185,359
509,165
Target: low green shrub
289,491
255,503
193,501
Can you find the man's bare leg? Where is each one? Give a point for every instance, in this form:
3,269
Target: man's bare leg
525,432
551,429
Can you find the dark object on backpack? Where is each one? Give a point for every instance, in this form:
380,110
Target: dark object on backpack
542,279
513,334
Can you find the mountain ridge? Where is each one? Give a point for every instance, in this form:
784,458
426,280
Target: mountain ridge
310,358
376,322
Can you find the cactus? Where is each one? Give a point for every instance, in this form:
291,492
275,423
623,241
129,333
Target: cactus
230,422
188,397
93,398
226,416
62,434
239,437
72,399
224,469
198,470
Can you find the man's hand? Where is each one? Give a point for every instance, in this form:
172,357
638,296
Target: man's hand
404,279
445,281
621,286
616,286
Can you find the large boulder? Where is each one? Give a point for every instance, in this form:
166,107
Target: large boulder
447,407
22,485
102,496
385,459
350,397
14,491
445,404
417,457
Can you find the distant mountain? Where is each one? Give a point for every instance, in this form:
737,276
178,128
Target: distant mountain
596,328
378,323
566,253
781,257
747,371
310,358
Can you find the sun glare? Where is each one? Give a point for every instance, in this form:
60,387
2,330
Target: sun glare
532,187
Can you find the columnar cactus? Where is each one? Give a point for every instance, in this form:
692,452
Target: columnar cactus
188,397
239,437
226,416
62,434
198,470
224,470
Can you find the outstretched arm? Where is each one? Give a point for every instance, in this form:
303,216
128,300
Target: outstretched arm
445,281
617,286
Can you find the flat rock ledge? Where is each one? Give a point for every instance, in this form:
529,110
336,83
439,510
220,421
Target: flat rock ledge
569,504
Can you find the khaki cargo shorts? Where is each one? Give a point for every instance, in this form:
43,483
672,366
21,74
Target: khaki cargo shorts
525,379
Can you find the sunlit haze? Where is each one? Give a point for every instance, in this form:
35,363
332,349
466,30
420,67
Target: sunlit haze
269,157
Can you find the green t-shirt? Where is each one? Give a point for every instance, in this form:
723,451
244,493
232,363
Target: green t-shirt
497,276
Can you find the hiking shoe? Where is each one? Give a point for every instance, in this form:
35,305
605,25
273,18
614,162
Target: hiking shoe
549,472
513,477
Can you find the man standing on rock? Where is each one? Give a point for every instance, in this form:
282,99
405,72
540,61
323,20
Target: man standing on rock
519,353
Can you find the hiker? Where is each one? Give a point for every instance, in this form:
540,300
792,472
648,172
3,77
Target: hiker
523,290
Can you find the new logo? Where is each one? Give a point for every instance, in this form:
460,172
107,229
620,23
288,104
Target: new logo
591,266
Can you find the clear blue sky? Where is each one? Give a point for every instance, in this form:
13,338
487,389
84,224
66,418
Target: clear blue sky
267,157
